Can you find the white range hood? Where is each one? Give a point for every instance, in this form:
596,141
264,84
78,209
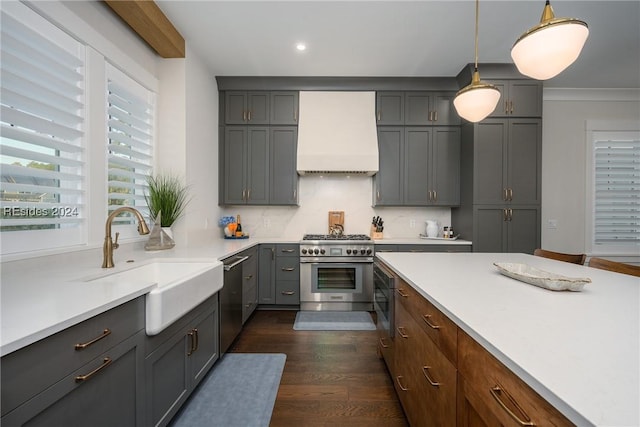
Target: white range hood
337,133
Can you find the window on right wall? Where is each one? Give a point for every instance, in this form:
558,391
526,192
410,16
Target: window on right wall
613,188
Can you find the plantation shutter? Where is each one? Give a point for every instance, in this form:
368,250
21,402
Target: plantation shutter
617,191
41,129
130,145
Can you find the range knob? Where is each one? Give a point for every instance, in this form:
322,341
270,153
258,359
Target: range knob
304,251
316,251
369,251
322,251
362,251
348,251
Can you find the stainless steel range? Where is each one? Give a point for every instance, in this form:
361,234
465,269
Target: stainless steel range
336,272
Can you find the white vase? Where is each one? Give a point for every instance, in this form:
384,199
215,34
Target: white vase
168,231
432,228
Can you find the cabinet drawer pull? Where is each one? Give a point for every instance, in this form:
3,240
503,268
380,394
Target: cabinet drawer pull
249,115
105,362
197,344
435,196
287,251
425,371
402,332
288,292
244,116
511,194
402,294
379,116
403,388
191,335
295,116
510,217
288,268
427,318
496,392
249,277
82,346
435,116
382,344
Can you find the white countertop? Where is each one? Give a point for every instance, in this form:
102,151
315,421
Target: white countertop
44,295
578,350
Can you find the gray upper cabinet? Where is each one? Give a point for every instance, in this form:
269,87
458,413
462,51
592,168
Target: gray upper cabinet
246,108
284,108
416,108
419,166
390,108
283,184
518,98
246,165
508,161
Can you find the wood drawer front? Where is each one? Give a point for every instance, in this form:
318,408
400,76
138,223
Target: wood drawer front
288,268
491,383
433,322
51,359
429,376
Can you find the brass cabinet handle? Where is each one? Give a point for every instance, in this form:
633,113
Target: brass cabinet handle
498,391
105,362
287,251
403,388
425,371
510,194
288,292
505,194
382,344
402,294
248,277
504,215
273,253
426,319
379,115
249,115
244,116
511,104
197,339
248,194
510,214
402,332
191,335
435,196
295,115
82,346
288,268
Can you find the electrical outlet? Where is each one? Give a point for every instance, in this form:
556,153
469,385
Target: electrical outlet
552,224
266,222
412,223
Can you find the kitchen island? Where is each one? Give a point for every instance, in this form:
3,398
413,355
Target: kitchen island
578,350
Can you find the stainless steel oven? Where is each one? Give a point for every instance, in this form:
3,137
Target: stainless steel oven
336,273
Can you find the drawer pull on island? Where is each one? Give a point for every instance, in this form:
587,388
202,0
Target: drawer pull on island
382,344
497,392
402,293
402,332
425,371
93,341
403,388
105,362
426,319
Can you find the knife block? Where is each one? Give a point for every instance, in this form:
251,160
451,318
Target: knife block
375,235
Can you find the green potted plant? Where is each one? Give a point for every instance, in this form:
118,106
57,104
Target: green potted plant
166,195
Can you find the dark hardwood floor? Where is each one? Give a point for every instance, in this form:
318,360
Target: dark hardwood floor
330,378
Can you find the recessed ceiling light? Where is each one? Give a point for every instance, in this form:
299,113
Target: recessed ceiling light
301,46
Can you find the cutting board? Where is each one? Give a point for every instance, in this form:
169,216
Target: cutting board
336,217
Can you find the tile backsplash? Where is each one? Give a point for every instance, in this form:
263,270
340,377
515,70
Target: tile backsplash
319,195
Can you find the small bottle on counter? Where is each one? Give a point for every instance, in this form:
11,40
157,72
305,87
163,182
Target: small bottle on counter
239,232
451,233
445,233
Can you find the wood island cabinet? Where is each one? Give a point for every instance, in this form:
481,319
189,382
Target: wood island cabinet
443,377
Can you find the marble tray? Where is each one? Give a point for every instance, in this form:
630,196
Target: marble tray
544,279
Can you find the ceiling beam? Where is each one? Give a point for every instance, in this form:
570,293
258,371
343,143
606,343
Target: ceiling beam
150,23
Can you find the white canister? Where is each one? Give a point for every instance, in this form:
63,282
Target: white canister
432,228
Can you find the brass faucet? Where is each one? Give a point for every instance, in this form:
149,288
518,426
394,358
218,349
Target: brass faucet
109,244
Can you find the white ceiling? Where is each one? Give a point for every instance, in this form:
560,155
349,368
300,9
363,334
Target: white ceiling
399,38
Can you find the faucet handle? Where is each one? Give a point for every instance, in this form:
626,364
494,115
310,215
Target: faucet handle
115,244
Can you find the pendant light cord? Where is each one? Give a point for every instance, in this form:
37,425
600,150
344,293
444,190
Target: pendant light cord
476,39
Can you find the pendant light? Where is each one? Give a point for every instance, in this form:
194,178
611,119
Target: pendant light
545,50
477,100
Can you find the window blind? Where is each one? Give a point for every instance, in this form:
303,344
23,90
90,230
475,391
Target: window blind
41,131
130,142
617,191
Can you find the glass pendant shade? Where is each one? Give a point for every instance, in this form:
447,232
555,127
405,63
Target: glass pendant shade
547,49
477,100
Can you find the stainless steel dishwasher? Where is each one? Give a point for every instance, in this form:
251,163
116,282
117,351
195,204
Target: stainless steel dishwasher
231,301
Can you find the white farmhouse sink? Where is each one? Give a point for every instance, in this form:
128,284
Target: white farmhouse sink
180,287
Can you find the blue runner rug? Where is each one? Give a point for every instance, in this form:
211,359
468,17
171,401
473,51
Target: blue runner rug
333,321
239,391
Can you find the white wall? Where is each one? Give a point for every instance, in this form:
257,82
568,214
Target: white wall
564,151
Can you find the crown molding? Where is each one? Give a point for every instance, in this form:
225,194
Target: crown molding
584,94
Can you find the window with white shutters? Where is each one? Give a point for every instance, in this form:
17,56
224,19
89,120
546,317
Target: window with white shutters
130,146
616,190
41,135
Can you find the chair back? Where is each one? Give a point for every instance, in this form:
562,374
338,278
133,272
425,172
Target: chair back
618,267
572,258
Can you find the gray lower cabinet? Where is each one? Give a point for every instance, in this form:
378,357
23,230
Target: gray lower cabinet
506,229
422,248
419,166
249,283
246,165
177,359
279,280
89,374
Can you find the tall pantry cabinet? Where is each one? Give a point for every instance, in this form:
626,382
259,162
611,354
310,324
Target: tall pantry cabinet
501,164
